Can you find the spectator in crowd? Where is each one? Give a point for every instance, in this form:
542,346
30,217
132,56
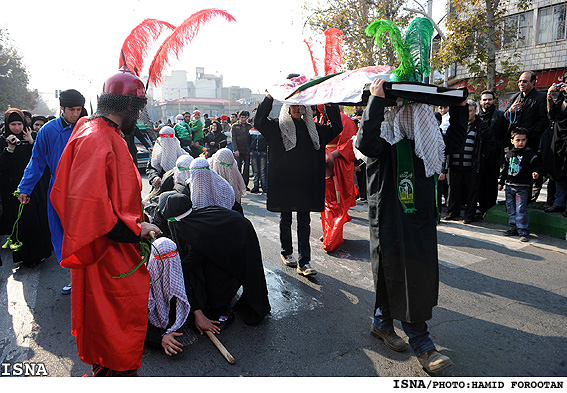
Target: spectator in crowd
529,111
28,117
522,165
197,134
296,171
498,126
466,152
215,139
241,143
233,118
206,121
37,122
557,112
30,241
259,159
443,118
183,130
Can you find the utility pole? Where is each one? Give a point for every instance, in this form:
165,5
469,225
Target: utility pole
437,28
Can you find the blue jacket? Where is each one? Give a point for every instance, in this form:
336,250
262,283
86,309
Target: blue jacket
48,147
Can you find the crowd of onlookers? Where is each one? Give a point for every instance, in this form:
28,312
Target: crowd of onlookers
520,148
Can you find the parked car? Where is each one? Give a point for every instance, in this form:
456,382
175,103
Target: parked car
143,155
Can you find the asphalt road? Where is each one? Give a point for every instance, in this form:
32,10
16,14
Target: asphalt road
502,311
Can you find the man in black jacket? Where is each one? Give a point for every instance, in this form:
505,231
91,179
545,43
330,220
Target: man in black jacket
529,111
494,118
466,151
240,144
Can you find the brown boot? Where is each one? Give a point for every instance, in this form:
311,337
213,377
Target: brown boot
433,361
390,338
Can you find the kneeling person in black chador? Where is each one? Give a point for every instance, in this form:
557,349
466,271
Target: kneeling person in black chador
216,266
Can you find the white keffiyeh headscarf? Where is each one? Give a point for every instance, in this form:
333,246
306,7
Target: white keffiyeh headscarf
224,164
208,188
166,150
182,166
287,127
169,285
416,122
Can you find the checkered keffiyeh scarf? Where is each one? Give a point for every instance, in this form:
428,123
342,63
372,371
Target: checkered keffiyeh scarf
181,172
166,150
287,127
224,164
208,188
416,122
169,285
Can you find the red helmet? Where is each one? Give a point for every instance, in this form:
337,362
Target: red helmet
124,83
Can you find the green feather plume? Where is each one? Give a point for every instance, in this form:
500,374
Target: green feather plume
418,42
406,70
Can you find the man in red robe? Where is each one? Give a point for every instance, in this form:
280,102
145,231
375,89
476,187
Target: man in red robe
340,192
97,195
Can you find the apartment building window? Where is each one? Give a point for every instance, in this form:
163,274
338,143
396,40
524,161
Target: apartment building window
551,23
519,30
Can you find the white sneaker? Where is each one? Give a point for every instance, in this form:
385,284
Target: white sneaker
306,270
289,260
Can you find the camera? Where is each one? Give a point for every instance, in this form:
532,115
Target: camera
557,85
16,142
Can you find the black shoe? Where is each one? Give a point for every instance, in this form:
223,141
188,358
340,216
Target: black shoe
467,221
255,190
225,321
450,218
555,209
511,232
247,189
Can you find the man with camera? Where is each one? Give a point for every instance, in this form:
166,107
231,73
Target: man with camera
557,112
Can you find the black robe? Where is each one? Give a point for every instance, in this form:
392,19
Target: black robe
33,226
214,265
296,178
403,247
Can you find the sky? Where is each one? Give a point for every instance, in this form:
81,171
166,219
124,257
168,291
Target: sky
76,44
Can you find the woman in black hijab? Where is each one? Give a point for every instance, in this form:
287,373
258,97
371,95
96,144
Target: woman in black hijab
214,272
16,147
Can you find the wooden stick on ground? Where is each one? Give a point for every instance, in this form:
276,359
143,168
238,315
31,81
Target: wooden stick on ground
220,347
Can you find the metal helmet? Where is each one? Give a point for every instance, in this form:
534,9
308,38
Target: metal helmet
125,83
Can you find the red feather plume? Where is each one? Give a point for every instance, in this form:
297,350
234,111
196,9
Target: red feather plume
140,40
183,34
333,51
314,61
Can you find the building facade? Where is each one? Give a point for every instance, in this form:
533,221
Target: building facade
540,37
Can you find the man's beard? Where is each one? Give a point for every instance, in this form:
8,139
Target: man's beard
129,122
488,109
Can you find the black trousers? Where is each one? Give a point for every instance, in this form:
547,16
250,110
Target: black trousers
303,232
463,189
488,187
243,162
